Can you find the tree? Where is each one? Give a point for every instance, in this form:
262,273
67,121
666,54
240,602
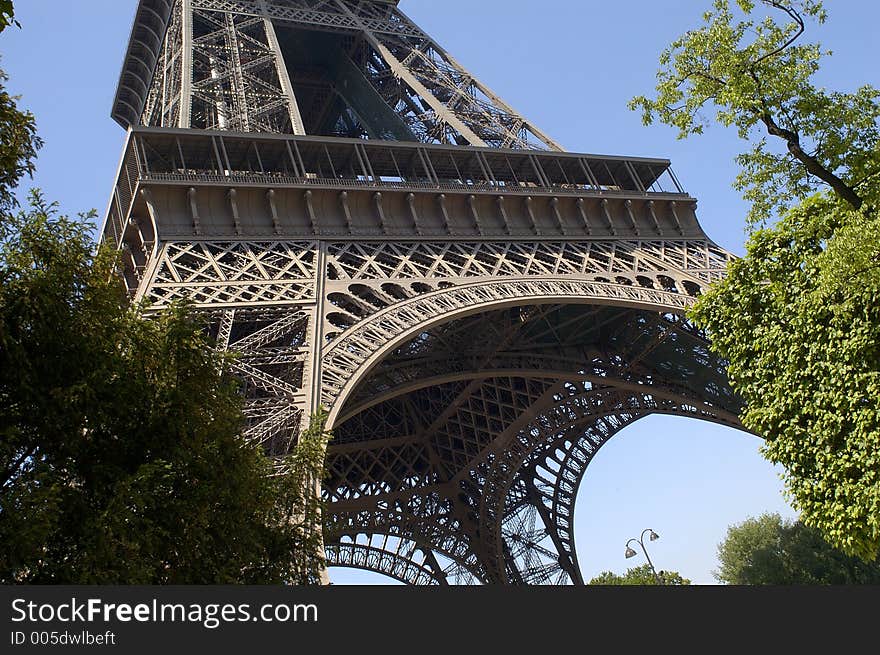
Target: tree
120,454
770,550
19,143
802,338
797,318
7,14
757,77
640,575
121,459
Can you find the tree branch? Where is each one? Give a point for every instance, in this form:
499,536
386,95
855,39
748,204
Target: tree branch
793,142
801,28
865,179
14,468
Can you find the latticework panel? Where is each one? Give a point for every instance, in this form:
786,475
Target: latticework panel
466,111
397,558
163,105
698,261
236,81
271,350
469,383
347,353
217,274
496,415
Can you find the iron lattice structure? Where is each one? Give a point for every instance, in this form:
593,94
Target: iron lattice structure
373,230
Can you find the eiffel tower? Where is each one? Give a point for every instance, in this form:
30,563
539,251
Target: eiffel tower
377,232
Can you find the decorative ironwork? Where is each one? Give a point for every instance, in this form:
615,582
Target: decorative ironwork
314,176
375,73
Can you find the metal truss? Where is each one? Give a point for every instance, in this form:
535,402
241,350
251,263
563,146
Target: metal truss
665,265
370,228
470,383
362,344
456,411
239,81
272,349
397,558
486,503
548,483
233,274
222,65
221,70
164,104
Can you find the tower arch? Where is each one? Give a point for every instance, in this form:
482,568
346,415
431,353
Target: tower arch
372,229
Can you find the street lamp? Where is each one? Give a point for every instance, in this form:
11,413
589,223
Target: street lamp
629,552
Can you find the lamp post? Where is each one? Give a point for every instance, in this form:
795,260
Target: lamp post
653,536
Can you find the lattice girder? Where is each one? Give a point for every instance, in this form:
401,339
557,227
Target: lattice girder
557,345
553,475
498,336
362,342
272,357
222,65
435,406
371,229
397,558
431,518
463,434
493,483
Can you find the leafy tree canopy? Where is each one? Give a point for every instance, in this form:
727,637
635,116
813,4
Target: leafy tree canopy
7,14
757,76
770,550
798,318
120,460
19,141
640,575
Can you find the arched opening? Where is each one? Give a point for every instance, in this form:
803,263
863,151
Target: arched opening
458,436
344,575
687,480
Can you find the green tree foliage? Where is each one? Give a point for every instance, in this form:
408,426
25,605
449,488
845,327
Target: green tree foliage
640,575
120,455
769,550
758,78
7,14
19,141
798,318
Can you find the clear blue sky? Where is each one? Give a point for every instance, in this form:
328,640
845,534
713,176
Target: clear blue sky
570,66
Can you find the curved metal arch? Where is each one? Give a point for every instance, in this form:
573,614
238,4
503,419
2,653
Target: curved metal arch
460,376
558,517
579,447
579,452
353,354
449,543
448,352
494,468
548,423
724,417
401,567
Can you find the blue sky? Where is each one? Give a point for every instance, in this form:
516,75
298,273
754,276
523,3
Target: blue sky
570,66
